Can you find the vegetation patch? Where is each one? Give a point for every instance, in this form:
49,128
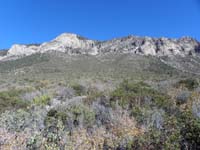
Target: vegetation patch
189,83
42,100
11,100
79,89
73,116
139,94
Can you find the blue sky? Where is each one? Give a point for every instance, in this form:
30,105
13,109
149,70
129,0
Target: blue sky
36,21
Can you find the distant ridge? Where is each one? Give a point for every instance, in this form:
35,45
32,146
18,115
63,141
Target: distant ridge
74,44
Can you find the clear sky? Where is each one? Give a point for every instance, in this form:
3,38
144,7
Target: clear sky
36,21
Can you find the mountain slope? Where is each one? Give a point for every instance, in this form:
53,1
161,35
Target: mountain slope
122,94
70,56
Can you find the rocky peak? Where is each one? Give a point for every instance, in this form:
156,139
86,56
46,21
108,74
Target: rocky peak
67,42
68,37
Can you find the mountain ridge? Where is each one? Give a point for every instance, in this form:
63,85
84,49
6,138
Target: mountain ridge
74,44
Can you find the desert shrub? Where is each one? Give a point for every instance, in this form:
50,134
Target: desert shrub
153,139
94,95
42,100
53,116
190,130
29,96
178,131
14,121
102,116
139,94
79,89
196,108
77,115
11,100
148,117
81,114
42,84
34,142
64,93
60,121
137,112
182,97
189,83
20,119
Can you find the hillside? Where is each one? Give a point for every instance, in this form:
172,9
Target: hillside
131,93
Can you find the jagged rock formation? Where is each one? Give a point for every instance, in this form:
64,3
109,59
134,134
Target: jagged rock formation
152,46
19,50
73,44
70,43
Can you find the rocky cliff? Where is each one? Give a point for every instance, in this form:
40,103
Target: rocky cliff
73,44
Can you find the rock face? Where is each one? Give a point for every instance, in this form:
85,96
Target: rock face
73,44
152,46
70,43
22,50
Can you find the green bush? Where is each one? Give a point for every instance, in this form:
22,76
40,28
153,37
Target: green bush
74,114
54,115
190,129
154,139
93,95
139,94
190,83
34,142
80,90
11,100
79,111
42,100
138,114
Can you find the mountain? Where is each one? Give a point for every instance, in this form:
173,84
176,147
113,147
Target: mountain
122,94
179,54
73,44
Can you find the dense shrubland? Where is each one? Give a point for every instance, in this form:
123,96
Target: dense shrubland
134,115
